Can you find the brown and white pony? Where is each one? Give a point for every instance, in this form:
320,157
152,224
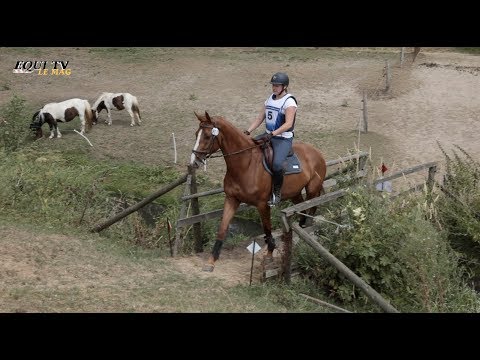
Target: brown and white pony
117,101
64,111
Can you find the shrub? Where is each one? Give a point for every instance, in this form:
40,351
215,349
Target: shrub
14,125
458,210
392,246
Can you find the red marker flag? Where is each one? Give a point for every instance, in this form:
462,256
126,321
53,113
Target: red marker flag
383,168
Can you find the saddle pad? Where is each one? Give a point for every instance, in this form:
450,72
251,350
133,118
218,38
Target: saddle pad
293,165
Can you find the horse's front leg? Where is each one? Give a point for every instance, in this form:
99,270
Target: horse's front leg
52,130
264,211
230,206
82,122
109,115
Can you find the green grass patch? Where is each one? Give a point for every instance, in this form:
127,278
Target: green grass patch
469,50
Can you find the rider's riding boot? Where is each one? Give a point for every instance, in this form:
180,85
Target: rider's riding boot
277,186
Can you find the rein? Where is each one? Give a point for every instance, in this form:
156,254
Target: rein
210,155
233,153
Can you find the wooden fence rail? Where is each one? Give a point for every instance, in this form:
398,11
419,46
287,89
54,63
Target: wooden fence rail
138,205
190,194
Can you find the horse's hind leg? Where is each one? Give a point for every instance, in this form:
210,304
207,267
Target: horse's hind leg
136,112
132,121
264,211
313,190
297,200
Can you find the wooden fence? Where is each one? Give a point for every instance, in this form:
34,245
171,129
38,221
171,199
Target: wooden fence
190,200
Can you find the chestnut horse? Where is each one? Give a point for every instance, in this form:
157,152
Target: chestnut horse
247,180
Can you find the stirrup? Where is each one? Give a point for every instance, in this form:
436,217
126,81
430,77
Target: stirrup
274,200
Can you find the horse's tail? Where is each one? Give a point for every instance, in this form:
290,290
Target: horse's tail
135,107
88,115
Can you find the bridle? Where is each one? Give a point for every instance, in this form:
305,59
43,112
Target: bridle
203,155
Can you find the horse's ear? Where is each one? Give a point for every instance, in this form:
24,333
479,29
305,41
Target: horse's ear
197,115
208,116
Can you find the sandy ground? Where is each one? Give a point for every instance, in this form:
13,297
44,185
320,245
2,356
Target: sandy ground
432,100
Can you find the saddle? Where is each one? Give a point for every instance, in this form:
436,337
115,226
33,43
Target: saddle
292,166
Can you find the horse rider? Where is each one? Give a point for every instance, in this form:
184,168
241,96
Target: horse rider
278,111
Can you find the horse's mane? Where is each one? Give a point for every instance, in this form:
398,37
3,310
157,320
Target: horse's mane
227,123
220,121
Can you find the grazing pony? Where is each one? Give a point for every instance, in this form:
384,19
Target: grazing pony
62,112
248,181
118,101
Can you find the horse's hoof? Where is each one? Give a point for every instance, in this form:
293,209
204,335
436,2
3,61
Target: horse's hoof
208,267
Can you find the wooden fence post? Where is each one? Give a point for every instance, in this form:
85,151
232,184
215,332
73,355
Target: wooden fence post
183,212
431,181
197,230
287,255
416,50
365,115
387,75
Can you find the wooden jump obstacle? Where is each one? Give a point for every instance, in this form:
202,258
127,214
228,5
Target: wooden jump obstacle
190,195
289,226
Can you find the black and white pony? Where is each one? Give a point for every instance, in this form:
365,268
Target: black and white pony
64,111
117,101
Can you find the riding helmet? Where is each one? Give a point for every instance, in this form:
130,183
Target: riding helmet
280,78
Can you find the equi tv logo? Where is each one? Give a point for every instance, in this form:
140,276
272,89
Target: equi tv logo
57,67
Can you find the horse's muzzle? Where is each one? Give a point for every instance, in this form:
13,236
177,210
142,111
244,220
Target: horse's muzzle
198,158
197,163
36,130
